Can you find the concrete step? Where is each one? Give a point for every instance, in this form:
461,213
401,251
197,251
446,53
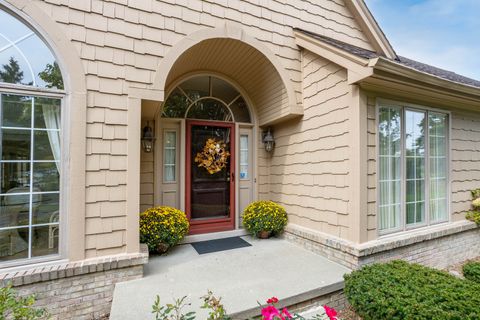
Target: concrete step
242,277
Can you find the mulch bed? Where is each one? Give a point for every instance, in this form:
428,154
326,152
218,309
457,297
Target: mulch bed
458,268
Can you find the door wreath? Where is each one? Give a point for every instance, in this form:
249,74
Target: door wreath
214,156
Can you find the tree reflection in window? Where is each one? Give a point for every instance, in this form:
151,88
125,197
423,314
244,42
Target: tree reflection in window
206,98
24,58
30,145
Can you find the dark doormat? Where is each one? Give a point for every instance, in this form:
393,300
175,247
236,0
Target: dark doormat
209,246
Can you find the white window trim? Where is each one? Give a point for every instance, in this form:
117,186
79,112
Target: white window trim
404,228
6,88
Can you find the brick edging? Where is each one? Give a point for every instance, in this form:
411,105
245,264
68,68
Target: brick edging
382,244
70,269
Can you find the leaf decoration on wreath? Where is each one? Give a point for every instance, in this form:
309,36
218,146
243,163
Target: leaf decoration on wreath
214,156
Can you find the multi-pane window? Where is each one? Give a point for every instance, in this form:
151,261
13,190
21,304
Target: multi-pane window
30,144
169,156
413,167
206,97
30,173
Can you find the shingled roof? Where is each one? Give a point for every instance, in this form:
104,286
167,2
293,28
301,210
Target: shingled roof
419,66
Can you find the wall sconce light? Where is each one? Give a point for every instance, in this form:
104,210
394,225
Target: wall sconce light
147,138
268,140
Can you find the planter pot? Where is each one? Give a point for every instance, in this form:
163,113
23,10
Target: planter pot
264,234
162,248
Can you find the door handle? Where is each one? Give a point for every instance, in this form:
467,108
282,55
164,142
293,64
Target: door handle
233,176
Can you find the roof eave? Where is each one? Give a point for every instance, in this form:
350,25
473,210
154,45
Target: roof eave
356,66
397,69
361,70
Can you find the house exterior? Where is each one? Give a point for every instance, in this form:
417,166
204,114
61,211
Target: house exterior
374,155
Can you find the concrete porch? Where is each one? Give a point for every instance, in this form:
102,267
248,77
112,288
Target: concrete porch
273,267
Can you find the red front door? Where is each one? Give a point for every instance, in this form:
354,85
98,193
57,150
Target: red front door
210,183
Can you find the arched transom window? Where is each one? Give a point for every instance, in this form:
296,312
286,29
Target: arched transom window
206,98
30,145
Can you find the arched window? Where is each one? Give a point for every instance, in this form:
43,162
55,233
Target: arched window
31,93
206,98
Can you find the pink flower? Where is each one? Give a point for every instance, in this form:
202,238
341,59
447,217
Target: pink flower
270,312
272,300
286,313
331,313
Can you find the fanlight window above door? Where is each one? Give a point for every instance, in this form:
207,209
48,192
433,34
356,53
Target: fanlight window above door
206,98
24,58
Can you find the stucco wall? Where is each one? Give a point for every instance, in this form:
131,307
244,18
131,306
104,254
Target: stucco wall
121,44
310,168
464,162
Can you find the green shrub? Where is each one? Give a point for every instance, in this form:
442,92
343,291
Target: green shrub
162,228
473,216
471,271
264,216
18,308
399,290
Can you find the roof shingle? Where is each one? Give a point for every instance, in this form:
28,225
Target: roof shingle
419,66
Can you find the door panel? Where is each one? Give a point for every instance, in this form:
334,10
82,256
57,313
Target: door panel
245,171
168,168
210,185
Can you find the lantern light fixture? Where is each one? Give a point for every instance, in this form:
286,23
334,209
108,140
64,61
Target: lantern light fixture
268,141
148,138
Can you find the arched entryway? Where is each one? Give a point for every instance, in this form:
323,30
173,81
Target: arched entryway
204,155
230,83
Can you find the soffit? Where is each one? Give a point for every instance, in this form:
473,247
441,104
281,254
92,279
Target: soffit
244,65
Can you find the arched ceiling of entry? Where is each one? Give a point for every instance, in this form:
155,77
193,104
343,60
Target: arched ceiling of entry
246,66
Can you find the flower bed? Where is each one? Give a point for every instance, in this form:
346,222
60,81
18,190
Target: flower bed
216,310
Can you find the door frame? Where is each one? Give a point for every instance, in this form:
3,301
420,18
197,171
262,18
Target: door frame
215,224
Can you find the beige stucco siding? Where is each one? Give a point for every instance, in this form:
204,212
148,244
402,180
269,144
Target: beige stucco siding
310,168
121,44
464,162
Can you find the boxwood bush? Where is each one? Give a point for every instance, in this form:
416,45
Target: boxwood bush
399,290
471,271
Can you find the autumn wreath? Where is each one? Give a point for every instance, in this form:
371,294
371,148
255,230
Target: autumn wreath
214,156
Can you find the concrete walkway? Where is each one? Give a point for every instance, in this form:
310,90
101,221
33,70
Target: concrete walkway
243,276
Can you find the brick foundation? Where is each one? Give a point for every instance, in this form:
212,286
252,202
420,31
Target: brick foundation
437,246
336,300
77,290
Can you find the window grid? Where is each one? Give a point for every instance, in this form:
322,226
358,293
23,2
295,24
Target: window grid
432,215
438,183
31,161
169,156
244,157
391,208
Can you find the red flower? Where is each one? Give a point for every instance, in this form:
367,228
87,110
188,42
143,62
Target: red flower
331,313
286,313
272,300
270,312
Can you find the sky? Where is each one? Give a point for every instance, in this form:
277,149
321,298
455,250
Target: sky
443,33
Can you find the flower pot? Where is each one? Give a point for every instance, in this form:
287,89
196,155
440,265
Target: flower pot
264,234
162,248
